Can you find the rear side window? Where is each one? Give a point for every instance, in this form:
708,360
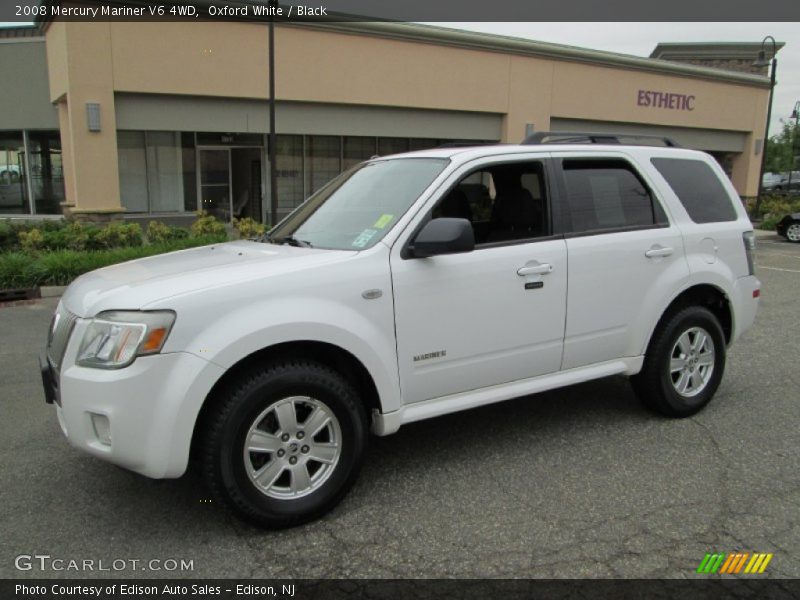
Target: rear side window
607,194
698,188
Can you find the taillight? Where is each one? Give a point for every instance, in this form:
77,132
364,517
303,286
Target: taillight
749,239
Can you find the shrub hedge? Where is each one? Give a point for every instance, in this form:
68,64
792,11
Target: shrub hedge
774,208
56,252
59,267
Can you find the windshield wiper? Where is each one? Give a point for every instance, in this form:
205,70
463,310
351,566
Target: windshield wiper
292,241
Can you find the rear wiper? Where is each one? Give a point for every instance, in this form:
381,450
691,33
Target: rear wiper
292,241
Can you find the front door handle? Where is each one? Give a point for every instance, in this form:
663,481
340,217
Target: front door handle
658,252
540,269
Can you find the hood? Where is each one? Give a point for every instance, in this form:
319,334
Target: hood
135,284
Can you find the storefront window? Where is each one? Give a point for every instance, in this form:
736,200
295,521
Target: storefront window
164,171
13,193
290,173
422,144
132,170
46,171
322,160
152,172
387,146
356,150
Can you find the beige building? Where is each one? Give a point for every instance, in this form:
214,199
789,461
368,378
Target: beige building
139,119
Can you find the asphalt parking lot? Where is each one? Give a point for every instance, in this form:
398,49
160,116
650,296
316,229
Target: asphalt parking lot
573,483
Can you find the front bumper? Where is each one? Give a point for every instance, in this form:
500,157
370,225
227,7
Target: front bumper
141,417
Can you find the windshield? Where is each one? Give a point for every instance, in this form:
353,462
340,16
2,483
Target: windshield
355,210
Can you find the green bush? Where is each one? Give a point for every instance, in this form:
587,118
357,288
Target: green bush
8,237
249,228
778,206
60,267
769,222
158,233
207,224
11,230
73,235
31,240
17,270
120,235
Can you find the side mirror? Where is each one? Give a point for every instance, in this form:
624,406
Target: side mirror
444,236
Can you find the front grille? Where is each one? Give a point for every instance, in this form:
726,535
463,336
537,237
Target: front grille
60,330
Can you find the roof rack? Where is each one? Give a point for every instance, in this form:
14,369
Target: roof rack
575,137
465,144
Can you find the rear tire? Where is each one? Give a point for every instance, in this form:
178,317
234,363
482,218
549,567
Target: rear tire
793,232
684,363
284,443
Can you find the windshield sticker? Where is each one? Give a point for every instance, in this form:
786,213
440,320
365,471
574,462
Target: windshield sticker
383,221
364,237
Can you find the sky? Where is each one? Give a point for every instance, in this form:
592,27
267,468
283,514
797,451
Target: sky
639,39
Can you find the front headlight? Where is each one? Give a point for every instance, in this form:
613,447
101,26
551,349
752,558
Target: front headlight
115,338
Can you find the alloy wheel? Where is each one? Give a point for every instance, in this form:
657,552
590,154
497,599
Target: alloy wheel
292,447
692,362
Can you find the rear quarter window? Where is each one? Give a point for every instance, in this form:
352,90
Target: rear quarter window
698,188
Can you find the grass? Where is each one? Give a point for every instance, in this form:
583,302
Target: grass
60,267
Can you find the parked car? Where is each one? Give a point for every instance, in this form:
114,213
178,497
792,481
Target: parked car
771,180
785,185
789,227
392,295
9,174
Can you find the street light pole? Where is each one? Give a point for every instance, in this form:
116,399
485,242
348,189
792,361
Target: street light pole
761,61
796,117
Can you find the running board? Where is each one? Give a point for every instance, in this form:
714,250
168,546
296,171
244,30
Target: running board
388,423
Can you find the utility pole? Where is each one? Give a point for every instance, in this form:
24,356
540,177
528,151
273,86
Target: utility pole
763,61
273,144
796,117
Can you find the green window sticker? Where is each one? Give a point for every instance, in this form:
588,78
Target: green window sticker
383,221
364,237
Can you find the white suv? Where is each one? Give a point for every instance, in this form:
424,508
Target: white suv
409,287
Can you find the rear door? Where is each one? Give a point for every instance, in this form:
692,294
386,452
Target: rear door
626,259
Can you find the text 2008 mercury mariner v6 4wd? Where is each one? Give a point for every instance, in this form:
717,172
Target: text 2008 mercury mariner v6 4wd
409,287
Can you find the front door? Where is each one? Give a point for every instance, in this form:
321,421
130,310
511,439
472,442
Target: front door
215,182
246,182
493,315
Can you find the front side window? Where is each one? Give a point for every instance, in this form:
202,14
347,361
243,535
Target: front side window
356,209
607,194
504,202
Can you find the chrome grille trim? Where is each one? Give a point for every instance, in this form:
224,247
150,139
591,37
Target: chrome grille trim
60,330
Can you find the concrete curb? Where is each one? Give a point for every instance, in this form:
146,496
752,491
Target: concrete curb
52,291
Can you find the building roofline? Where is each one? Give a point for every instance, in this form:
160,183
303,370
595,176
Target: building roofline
355,25
526,47
711,50
21,33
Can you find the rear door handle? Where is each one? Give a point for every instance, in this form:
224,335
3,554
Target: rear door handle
658,252
540,269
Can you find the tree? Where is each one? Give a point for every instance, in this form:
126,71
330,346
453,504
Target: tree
783,149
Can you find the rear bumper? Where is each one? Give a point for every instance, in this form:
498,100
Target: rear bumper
745,297
141,417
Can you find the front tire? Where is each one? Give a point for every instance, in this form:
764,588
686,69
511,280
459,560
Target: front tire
684,363
283,444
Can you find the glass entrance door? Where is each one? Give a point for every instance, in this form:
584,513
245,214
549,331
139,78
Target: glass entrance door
246,182
215,182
